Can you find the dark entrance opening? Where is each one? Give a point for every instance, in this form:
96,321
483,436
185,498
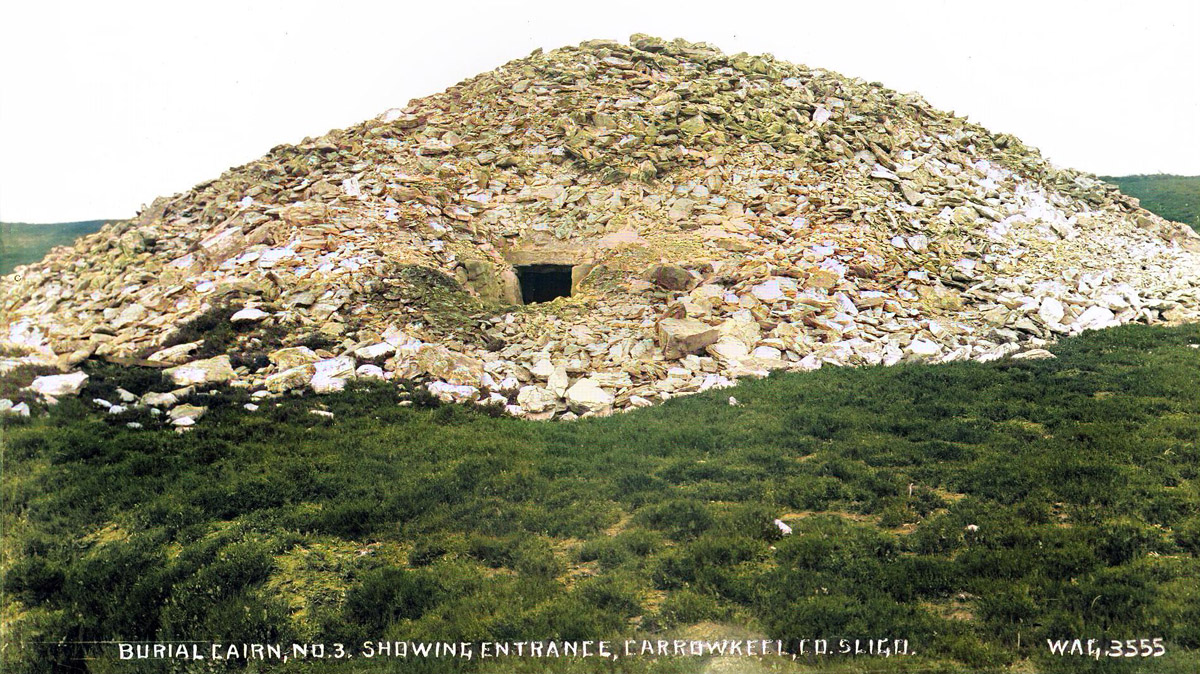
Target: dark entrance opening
544,282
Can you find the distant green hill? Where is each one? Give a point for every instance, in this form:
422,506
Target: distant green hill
22,243
1173,197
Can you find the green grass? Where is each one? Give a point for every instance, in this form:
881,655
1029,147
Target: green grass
439,522
1172,197
22,243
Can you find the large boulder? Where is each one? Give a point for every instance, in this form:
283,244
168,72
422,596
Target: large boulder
222,245
586,396
248,315
728,348
1094,317
324,383
304,213
769,291
342,366
744,330
175,354
294,356
58,385
330,375
155,399
1051,311
449,366
536,399
289,379
192,412
559,381
481,276
208,371
681,336
375,353
669,277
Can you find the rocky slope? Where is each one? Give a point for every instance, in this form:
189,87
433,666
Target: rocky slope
721,216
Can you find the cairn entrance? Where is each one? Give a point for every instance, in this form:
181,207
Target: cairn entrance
544,282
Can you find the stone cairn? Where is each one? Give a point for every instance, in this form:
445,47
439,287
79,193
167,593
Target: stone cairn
715,216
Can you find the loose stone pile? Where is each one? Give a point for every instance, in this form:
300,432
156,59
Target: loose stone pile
727,215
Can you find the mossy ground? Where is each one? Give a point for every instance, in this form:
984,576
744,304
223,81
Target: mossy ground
442,522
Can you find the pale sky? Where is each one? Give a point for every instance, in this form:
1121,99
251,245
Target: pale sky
106,105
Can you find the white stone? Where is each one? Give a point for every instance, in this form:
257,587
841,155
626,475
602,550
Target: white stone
1094,318
289,379
811,362
452,392
536,399
294,356
19,409
1051,311
681,336
767,352
270,257
400,339
918,242
370,372
131,314
768,292
326,383
342,366
58,385
715,381
924,347
587,396
375,351
159,399
559,381
208,371
187,411
1033,354
175,354
249,315
542,369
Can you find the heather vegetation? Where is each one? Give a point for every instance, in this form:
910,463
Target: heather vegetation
976,509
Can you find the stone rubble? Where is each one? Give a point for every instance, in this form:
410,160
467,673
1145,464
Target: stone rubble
726,215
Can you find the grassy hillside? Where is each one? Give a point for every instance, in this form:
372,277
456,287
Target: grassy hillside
1172,197
976,510
22,243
